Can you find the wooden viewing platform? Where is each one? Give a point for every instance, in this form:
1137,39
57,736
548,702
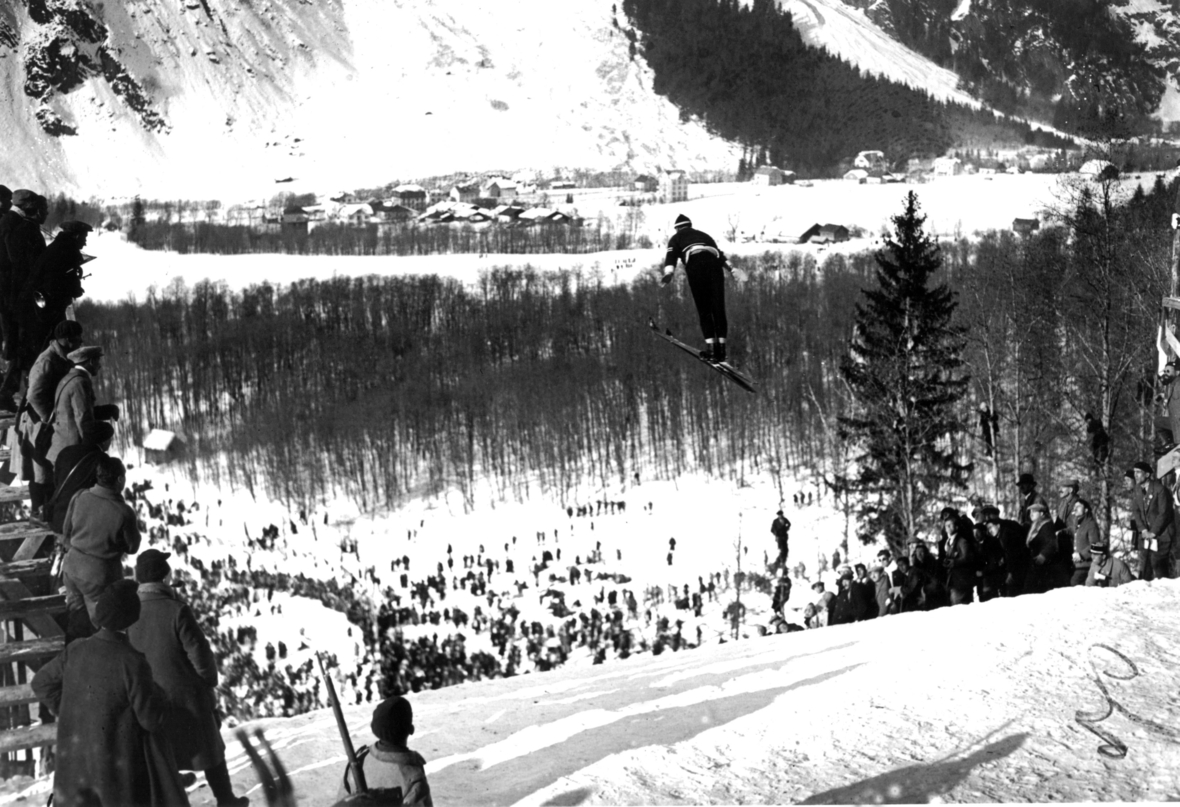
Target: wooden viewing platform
29,633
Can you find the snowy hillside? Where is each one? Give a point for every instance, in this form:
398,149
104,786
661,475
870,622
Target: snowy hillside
849,33
968,704
218,99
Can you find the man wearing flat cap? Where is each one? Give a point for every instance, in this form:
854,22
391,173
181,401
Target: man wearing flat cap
21,244
36,430
100,528
1157,524
1027,485
1043,547
74,410
111,715
184,667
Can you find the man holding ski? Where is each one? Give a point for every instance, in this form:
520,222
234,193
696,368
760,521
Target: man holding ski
703,263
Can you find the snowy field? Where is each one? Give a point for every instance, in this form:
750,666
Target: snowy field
955,206
975,703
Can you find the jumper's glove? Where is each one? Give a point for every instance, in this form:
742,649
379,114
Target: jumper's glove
1175,221
666,279
739,275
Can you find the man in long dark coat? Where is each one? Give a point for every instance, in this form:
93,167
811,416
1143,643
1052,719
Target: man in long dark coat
1157,525
21,244
1043,547
109,716
1017,557
54,282
183,665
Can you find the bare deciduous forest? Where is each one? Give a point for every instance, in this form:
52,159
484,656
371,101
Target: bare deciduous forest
379,388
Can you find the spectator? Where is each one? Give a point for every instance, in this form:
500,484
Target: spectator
47,371
53,284
1098,438
924,570
865,590
5,199
21,244
1135,511
1027,485
1085,535
394,764
110,715
881,589
1042,546
1017,558
1065,522
989,570
1157,525
823,604
76,469
989,428
959,556
74,410
1167,427
183,666
845,604
781,528
1107,571
98,531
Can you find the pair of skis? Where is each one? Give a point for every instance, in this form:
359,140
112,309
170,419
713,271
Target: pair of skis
724,368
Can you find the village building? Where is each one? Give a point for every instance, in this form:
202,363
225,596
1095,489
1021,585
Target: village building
947,166
499,189
824,234
161,446
674,186
414,197
465,192
859,175
871,161
1024,226
771,175
645,183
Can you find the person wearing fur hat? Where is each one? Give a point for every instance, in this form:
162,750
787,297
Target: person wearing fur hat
393,764
74,410
184,667
110,714
705,264
36,431
99,529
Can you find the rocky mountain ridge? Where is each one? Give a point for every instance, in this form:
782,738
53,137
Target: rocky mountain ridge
217,98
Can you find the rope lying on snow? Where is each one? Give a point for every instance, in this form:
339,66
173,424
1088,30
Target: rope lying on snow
1112,747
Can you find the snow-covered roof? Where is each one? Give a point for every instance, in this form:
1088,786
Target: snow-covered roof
160,440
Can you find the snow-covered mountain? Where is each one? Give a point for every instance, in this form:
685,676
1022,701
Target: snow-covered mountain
217,98
1030,56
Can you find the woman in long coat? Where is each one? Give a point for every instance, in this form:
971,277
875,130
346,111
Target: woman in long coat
109,715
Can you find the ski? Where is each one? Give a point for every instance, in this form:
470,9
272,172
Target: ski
724,368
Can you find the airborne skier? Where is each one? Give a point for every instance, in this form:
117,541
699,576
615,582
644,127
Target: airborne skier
703,263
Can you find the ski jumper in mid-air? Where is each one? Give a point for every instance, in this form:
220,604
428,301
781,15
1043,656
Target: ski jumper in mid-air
704,264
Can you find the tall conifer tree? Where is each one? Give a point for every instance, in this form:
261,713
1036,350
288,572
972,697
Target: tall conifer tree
903,369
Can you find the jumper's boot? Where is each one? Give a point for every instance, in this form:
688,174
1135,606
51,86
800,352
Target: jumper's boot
719,353
707,353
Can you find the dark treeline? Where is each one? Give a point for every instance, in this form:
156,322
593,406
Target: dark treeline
380,388
340,239
746,72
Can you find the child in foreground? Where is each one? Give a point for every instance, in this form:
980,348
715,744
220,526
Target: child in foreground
389,763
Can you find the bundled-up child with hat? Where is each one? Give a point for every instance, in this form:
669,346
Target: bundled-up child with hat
389,763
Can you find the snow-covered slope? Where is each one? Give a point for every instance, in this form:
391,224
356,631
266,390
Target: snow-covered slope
218,98
849,33
975,703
